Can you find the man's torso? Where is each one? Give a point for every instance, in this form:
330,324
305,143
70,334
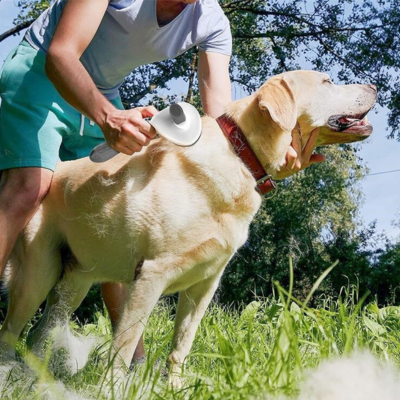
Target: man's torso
130,36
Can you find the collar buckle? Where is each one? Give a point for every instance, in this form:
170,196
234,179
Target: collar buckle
263,179
266,184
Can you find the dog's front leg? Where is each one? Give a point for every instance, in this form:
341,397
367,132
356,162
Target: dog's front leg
143,296
192,305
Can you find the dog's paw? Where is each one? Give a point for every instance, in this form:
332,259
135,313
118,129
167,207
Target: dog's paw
175,381
115,383
137,363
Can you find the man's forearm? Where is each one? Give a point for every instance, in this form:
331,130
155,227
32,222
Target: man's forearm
214,83
214,102
215,92
76,86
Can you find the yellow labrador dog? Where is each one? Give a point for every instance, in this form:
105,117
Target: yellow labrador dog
168,219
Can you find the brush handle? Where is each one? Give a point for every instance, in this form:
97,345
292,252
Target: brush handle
103,152
177,114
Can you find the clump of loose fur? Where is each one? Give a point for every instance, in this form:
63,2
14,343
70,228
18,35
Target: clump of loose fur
358,377
73,349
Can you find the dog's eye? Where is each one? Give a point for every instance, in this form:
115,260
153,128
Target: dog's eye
327,80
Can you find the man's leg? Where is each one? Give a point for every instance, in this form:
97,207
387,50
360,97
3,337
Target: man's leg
114,295
21,192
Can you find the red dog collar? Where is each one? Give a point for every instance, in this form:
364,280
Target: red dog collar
234,134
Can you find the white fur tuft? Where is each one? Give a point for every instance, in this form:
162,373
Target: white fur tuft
78,347
57,391
358,377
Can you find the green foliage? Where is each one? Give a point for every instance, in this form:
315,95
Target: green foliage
262,350
313,217
355,41
307,211
30,9
385,273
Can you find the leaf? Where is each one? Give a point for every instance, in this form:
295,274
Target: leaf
375,328
250,311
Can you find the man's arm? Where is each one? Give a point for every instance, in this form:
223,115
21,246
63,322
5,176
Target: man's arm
214,82
126,131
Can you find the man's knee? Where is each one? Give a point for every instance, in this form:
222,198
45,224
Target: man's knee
28,197
22,190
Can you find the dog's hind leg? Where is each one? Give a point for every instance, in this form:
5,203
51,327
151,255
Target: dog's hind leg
62,301
35,268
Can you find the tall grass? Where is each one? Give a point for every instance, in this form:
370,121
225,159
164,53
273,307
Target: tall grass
261,350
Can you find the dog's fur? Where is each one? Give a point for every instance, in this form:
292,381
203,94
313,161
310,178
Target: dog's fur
184,211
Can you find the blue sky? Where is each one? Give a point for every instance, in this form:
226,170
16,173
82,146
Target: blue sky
382,192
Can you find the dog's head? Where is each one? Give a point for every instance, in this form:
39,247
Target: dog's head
304,100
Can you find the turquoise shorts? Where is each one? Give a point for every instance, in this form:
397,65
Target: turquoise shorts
37,126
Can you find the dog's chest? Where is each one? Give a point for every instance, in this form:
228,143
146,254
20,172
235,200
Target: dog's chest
206,253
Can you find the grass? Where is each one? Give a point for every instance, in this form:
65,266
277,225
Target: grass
261,350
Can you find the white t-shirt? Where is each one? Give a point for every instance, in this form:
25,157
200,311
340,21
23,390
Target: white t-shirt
129,36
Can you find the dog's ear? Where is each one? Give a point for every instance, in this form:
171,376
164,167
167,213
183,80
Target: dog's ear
276,97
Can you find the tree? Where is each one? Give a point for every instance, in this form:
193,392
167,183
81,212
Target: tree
313,217
356,41
308,211
30,10
385,273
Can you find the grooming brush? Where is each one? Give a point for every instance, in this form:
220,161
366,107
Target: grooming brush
180,123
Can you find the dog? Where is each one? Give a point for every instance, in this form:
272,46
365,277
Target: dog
167,219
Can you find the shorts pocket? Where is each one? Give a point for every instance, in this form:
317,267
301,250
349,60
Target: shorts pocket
6,70
92,130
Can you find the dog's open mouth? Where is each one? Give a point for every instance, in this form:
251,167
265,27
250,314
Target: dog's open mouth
357,124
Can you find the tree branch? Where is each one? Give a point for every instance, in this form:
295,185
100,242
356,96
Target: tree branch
193,66
264,13
134,99
271,34
15,30
343,59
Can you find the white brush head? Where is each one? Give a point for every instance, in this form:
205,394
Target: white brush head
180,124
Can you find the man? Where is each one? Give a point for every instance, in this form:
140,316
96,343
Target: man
60,93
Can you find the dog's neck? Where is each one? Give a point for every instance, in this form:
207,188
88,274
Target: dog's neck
238,140
260,131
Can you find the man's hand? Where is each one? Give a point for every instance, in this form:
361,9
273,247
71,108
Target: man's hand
127,131
298,158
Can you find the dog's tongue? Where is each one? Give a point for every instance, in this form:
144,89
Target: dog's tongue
348,121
